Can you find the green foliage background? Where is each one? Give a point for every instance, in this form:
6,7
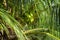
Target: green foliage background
30,19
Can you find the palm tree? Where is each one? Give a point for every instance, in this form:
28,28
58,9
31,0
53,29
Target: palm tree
29,20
